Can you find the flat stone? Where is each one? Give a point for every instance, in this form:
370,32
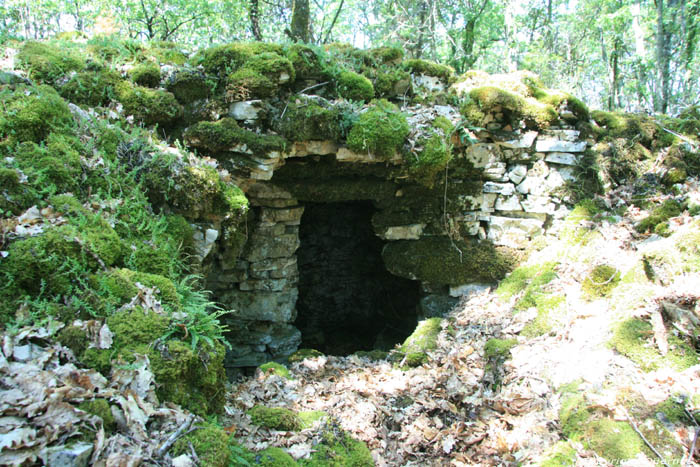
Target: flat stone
285,341
523,142
403,232
517,173
204,240
513,232
312,148
538,204
557,145
481,155
468,289
566,135
272,215
436,305
508,203
263,247
267,191
554,180
564,158
277,307
506,189
24,353
495,171
251,360
77,455
270,285
246,110
488,202
278,264
346,155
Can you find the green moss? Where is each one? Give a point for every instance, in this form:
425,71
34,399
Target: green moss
561,454
380,130
613,440
229,57
302,354
391,82
91,88
98,359
164,52
559,100
311,418
600,281
339,449
547,308
668,209
435,153
133,327
223,135
386,55
274,457
305,120
146,74
46,62
499,349
245,84
484,100
32,113
528,279
74,338
429,68
633,339
620,125
437,260
306,61
120,284
275,418
100,408
422,340
189,85
275,369
354,86
210,442
151,106
584,212
673,410
274,66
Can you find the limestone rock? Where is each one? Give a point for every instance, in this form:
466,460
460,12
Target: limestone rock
436,305
289,216
505,189
468,289
246,110
481,155
346,155
285,341
77,455
309,148
204,239
523,142
429,83
508,203
565,135
557,145
495,171
277,307
517,173
564,158
538,204
513,232
263,247
403,232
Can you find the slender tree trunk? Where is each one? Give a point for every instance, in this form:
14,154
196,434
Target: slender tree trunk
662,60
640,53
300,21
255,20
423,12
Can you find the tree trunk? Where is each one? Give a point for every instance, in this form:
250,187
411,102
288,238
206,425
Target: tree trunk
300,21
255,20
662,60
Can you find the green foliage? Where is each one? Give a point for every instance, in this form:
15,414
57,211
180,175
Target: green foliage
380,130
340,449
275,418
435,152
224,58
145,74
32,113
561,454
498,349
274,457
354,86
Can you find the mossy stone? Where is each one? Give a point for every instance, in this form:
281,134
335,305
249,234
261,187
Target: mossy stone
274,66
46,62
275,369
223,135
340,449
274,457
438,260
276,418
146,74
380,130
32,113
136,326
305,120
390,82
302,354
91,88
600,281
189,85
426,67
151,106
306,61
210,442
121,286
422,340
354,86
666,210
229,57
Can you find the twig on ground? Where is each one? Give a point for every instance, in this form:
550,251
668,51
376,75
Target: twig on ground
691,454
651,446
174,437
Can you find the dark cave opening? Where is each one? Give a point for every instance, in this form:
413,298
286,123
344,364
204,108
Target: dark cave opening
348,301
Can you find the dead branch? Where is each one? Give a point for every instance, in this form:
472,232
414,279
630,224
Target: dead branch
175,436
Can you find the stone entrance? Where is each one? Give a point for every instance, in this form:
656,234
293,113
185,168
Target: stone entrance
348,301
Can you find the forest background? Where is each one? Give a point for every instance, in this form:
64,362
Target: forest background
631,55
